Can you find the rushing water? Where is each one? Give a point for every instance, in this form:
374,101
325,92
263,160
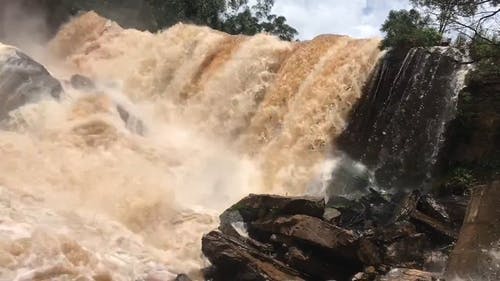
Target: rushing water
83,195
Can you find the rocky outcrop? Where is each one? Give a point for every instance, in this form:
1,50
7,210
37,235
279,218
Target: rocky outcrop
398,127
265,237
23,80
475,256
472,138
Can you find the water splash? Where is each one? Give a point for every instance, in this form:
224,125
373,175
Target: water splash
225,116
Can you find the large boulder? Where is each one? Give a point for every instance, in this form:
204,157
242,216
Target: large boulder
317,233
23,80
476,254
255,207
266,237
236,260
405,274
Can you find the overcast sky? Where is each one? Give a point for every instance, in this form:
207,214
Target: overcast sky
357,18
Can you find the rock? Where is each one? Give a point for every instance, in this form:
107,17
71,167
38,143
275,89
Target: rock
182,277
235,260
475,255
435,225
267,237
402,274
398,230
438,221
368,211
407,251
23,80
81,82
312,231
331,215
134,124
315,232
398,124
456,207
318,267
255,207
428,205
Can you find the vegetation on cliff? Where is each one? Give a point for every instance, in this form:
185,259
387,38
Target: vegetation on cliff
473,25
231,16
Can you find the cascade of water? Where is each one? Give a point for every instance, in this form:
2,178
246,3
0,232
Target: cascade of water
178,125
399,125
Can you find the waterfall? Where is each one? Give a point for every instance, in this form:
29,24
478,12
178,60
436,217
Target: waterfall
121,173
398,127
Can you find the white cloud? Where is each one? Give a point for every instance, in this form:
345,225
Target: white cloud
357,18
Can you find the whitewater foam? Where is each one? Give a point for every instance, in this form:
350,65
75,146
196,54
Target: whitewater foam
225,115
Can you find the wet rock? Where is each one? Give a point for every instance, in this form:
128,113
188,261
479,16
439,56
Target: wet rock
456,207
402,274
368,211
332,215
436,221
399,121
81,82
430,206
182,277
312,231
398,230
134,124
235,260
369,274
317,266
359,239
255,207
407,251
23,80
475,255
318,233
435,225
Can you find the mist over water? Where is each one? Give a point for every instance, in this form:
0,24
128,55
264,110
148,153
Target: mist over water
224,116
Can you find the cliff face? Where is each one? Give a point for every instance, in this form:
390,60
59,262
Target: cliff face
473,137
398,128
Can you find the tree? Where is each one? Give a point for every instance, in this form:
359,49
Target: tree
447,11
467,17
406,29
258,18
231,16
169,12
475,24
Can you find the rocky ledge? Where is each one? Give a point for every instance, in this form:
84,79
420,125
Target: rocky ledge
376,237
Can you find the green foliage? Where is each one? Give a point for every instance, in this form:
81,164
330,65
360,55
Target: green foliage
446,12
406,29
258,18
487,55
475,22
459,180
233,16
169,12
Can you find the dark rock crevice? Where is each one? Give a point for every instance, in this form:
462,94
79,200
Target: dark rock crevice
263,237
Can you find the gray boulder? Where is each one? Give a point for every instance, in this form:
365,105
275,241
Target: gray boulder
23,80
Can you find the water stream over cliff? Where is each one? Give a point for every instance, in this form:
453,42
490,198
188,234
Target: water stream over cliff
398,128
119,174
208,117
